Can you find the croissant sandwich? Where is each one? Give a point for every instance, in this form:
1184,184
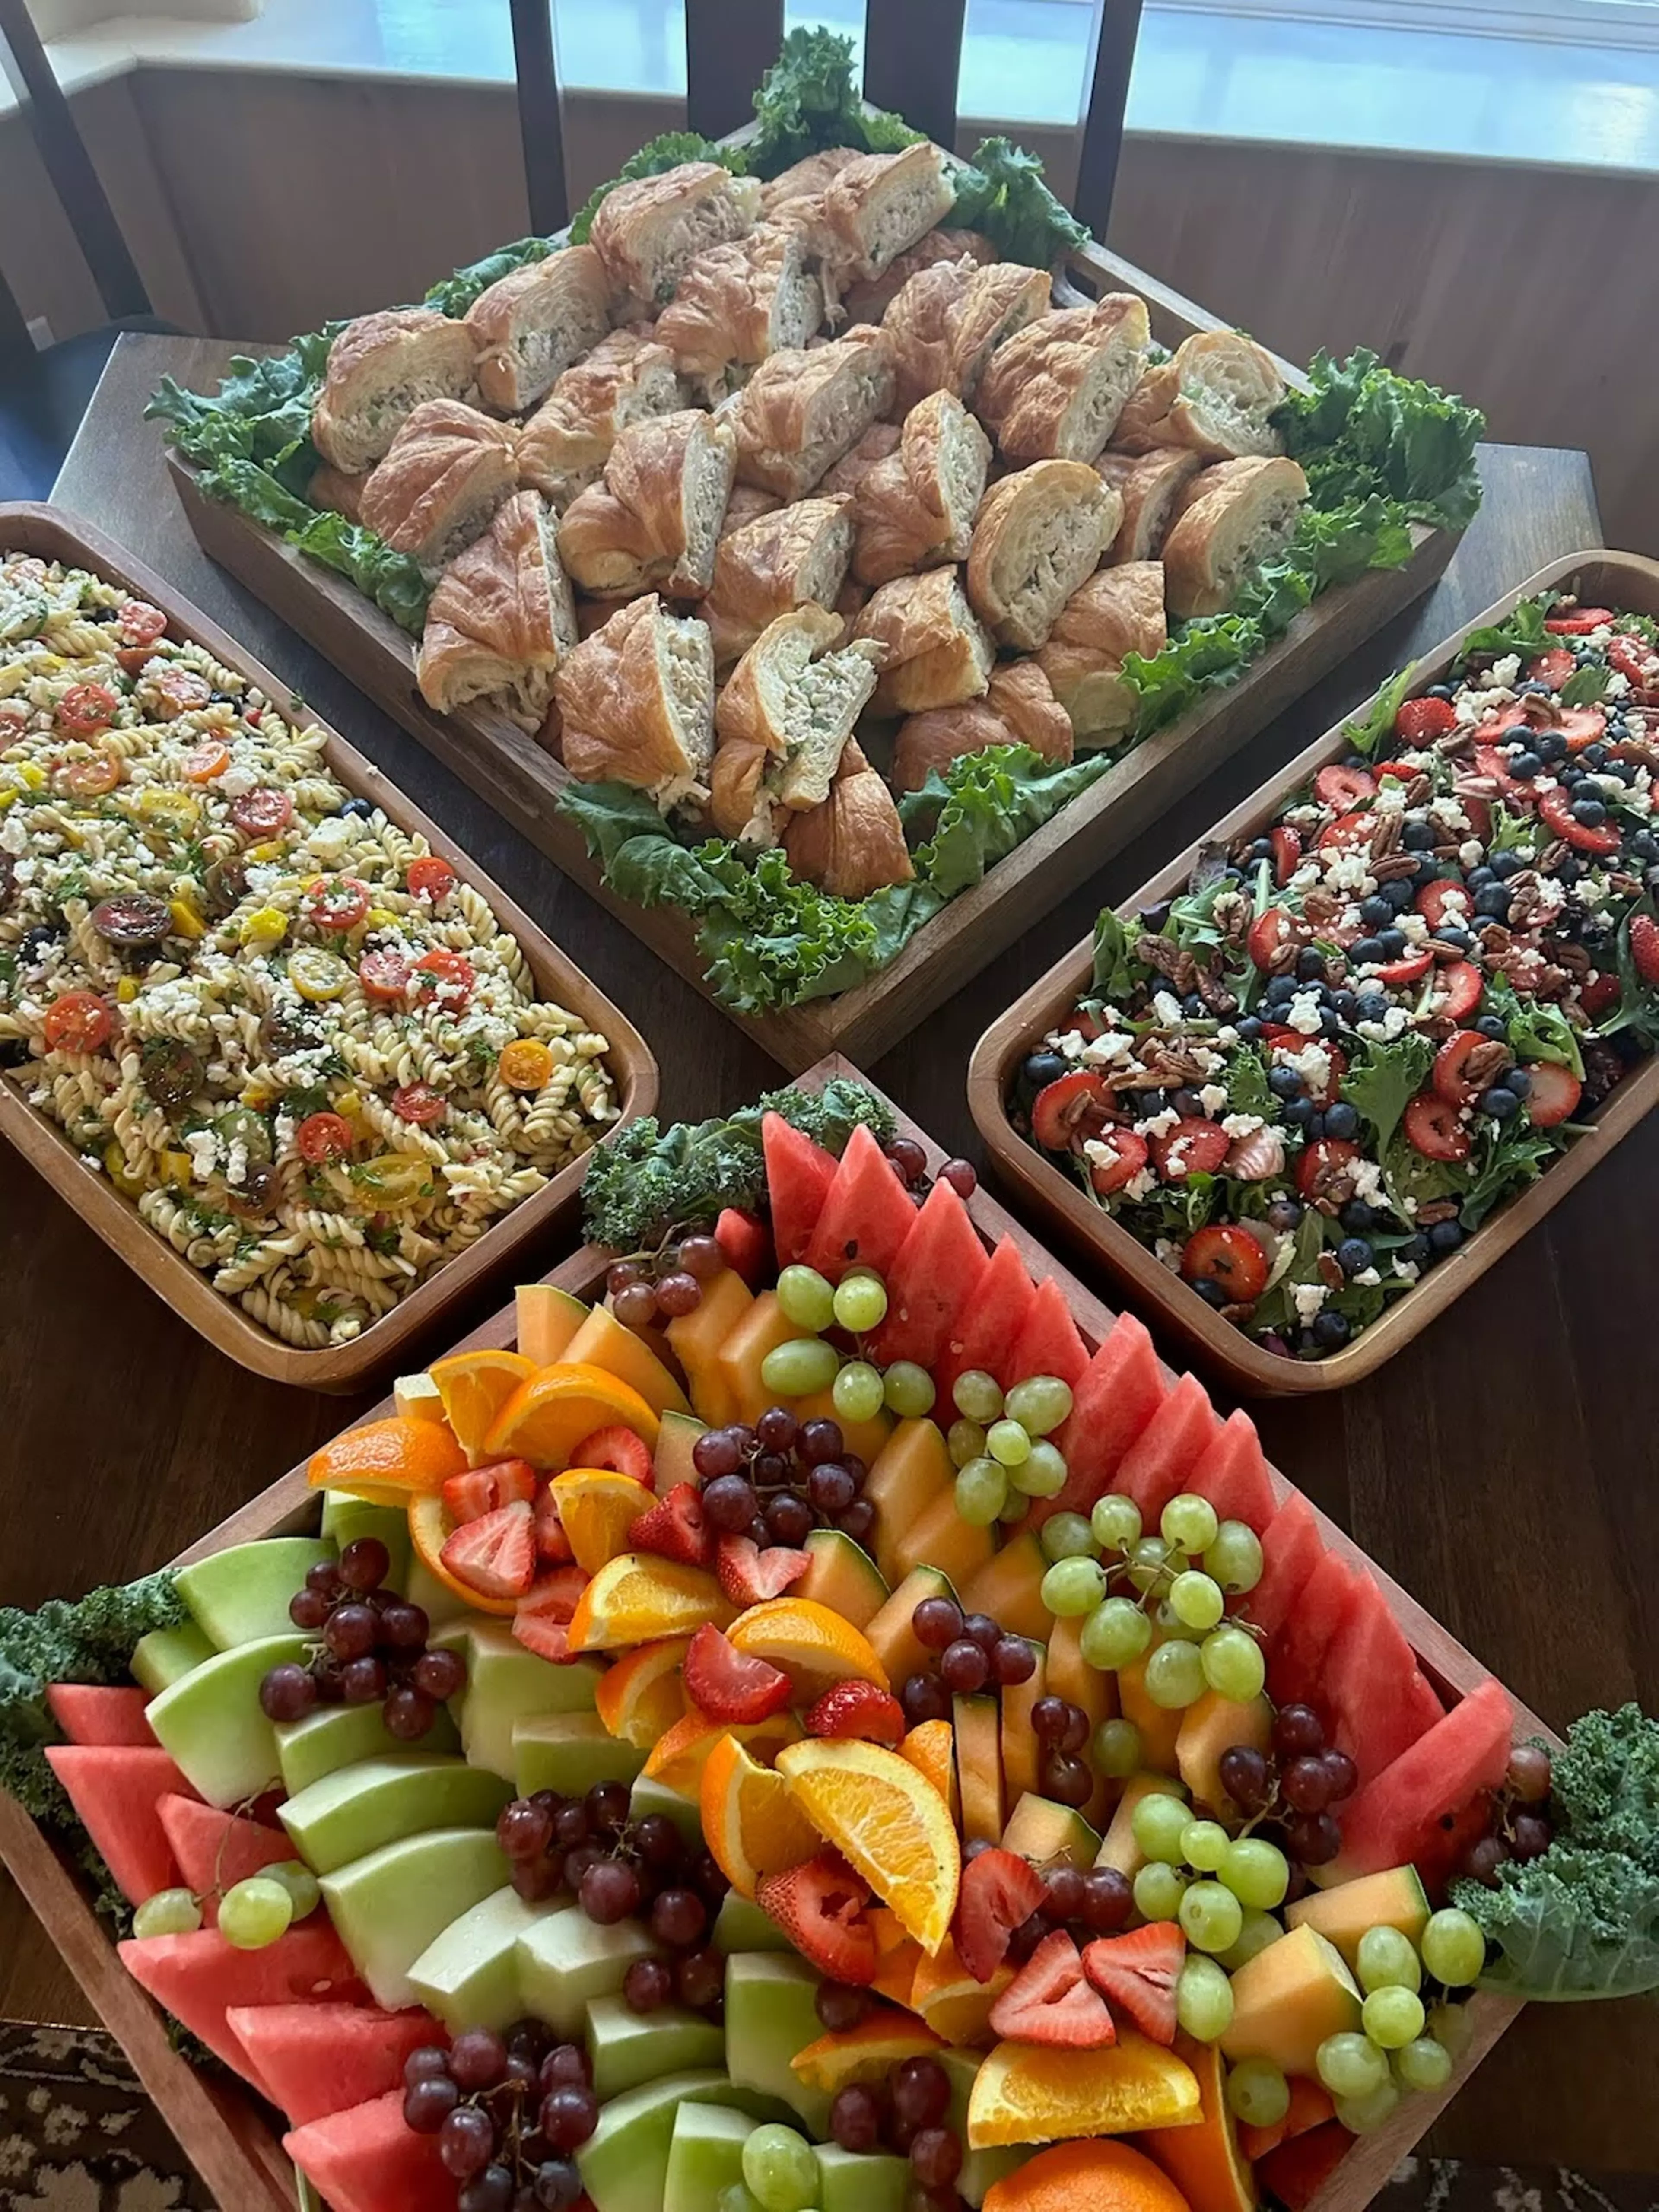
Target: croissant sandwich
877,206
445,473
636,700
738,303
565,445
531,325
868,301
379,369
849,472
500,618
1216,393
1057,388
802,409
1238,514
654,518
789,558
853,844
938,654
1117,610
1152,486
647,231
916,508
1018,709
783,719
948,319
1039,534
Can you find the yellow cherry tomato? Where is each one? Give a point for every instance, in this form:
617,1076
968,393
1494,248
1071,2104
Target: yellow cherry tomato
316,975
526,1065
266,924
173,810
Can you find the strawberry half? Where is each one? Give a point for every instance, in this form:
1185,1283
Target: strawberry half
1552,1095
726,1684
552,1545
1138,1973
676,1527
998,1891
857,1709
1645,947
821,1907
542,1621
1419,720
747,1575
747,1243
1051,2001
495,1554
483,1490
617,1449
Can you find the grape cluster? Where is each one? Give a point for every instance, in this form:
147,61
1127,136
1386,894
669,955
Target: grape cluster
1098,1902
1518,1826
661,1286
372,1648
781,1478
909,1164
253,1913
834,1356
1292,1789
969,1650
618,1866
1409,2037
999,1445
1224,1890
508,2112
906,2114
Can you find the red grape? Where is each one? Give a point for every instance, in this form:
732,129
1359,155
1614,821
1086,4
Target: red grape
324,1579
567,2067
908,1157
1244,1777
403,1628
570,1825
637,1306
1014,1661
568,2115
778,1429
1065,1779
855,2118
1107,1899
610,1891
1297,1728
606,1804
524,1830
1305,1783
1482,1859
770,1471
679,1917
982,1628
1315,1838
422,2064
700,1978
935,2157
730,1502
701,1256
709,1878
963,1668
678,1294
1343,1775
830,1488
648,1984
365,1564
788,1519
477,2058
466,2140
288,1693
658,1842
409,1713
716,1452
428,2102
921,2092
492,2190
857,1519
621,1275
962,1175
840,2006
1049,1717
1065,1886
363,1681
1026,1937
820,1440
936,1621
440,1674
854,1467
307,1609
351,1632
1528,1775
537,1879
924,1698
1529,1836
557,2185
1075,1734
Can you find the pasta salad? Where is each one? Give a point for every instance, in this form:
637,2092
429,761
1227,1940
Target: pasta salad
285,1029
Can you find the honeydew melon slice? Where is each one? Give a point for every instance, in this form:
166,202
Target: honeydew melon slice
769,2016
624,2162
469,1975
506,1684
569,1752
340,1736
628,2047
566,1961
162,1658
356,1810
705,2155
211,1722
240,1595
389,1906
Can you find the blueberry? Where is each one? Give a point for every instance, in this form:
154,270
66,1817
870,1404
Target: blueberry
1210,1290
1330,1023
1262,850
1367,950
1353,1255
1516,734
1552,746
1536,684
1590,812
1280,991
1284,1211
1297,1112
1153,918
36,940
1187,1104
1414,1251
1459,940
1621,771
1375,911
1594,756
1440,691
360,807
1310,964
1193,1007
1491,1025
1330,1331
1505,865
1314,1128
1344,1005
1372,1007
1043,1068
1357,1217
1568,869
1500,1102
1153,1103
1445,1236
1570,775
1478,879
1399,894
1518,1081
1419,837
1341,1121
1284,1083
1494,901
1393,942
1249,1028
1525,766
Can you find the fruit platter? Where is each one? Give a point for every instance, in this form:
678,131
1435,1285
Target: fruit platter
802,1711
1327,1067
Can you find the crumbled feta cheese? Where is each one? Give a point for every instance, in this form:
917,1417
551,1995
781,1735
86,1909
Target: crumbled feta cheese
1505,670
14,833
1367,1177
1141,1184
1168,1254
1406,1270
1471,853
1618,684
202,1145
1600,633
1390,797
1367,1276
1226,1035
1347,872
237,781
1242,1125
1174,1160
1467,710
330,838
1312,1063
1110,1050
1393,1023
1213,1097
1412,927
1448,813
1167,1007
1308,1298
1155,1125
1303,1014
236,1161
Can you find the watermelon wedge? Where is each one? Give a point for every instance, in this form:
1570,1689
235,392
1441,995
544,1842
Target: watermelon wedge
937,1273
212,1849
88,1713
1049,1344
867,1215
198,1978
1157,1466
1291,1548
1297,2171
987,1329
114,1789
1396,1816
367,2160
1112,1402
1233,1475
798,1174
316,2059
1378,1700
1296,1656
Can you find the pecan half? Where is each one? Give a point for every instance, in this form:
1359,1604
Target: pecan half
1391,865
1232,916
1168,958
1386,835
1419,791
1329,1274
1436,1209
1486,1063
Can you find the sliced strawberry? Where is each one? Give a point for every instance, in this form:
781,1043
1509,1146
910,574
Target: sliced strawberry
727,1684
1598,994
747,1575
481,1490
548,1639
746,1242
1271,931
857,1709
1349,833
617,1449
1488,761
822,1907
999,1890
1581,725
1420,720
1138,1973
1555,808
1552,667
1318,1162
554,1596
1431,1126
1287,852
1553,1094
1192,1147
1578,621
676,1527
1446,1078
1128,1156
1455,991
1634,660
1229,1256
1444,904
495,1554
1340,788
1077,1102
1051,2001
1410,969
1645,947
1286,1041
552,1545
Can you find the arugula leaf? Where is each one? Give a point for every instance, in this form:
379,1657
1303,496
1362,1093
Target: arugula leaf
1200,656
454,295
1512,832
1513,1156
1002,193
666,152
1585,685
1521,630
987,803
1360,429
1537,1029
1382,1084
1114,968
1378,725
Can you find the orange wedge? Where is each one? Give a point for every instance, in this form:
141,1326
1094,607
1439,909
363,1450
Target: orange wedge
682,1752
953,2004
1098,2176
883,2039
553,1409
897,1956
597,1508
888,1821
812,1643
636,1598
1029,2093
429,1529
388,1462
929,1749
474,1387
642,1697
750,1822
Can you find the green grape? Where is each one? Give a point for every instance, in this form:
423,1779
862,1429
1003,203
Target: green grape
1041,1474
1158,1891
1351,2065
1386,1960
909,1389
1160,1825
1204,1996
982,1492
1393,2017
800,1368
1148,1562
1015,1507
1363,2116
1233,1556
1117,1749
805,1298
1175,1676
1260,1930
1115,1634
1204,1844
1188,1523
1066,1536
254,1912
780,2169
964,1440
1116,1522
857,1391
1258,2093
1171,1628
1450,2024
737,2197
1212,1916
169,1913
1007,1441
1422,2064
1454,1949
1072,1587
299,1882
1040,1404
1196,1601
1256,1872
860,1302
978,1395
1233,1665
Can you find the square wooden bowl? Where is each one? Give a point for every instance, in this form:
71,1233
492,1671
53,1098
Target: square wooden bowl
53,536
1622,581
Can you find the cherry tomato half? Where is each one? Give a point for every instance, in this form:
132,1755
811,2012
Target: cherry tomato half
180,690
86,708
340,904
384,974
79,1021
95,778
452,978
140,623
420,1103
323,1137
430,877
525,1064
207,760
262,811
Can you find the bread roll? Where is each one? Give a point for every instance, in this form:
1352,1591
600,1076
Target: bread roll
868,301
647,230
938,653
1240,513
380,368
788,558
738,303
782,720
1116,610
853,844
531,325
565,445
445,474
500,618
1018,709
948,319
1057,388
1152,486
801,410
1040,533
654,518
916,508
1217,394
637,702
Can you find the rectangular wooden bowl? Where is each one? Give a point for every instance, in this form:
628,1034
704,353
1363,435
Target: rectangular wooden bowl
1621,580
54,535
231,2137
523,781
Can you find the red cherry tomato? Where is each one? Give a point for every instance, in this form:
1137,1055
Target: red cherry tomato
95,778
1230,1256
181,690
86,708
431,878
140,623
323,1137
339,904
452,979
1128,1156
262,811
385,975
420,1103
207,760
79,1021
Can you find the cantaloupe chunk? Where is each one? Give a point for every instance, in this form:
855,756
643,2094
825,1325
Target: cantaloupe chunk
1009,1588
912,1469
1394,1898
1020,1753
1210,1727
602,1341
1160,1728
979,1769
762,1329
1118,1846
548,1318
1288,1999
696,1340
939,1537
1205,2162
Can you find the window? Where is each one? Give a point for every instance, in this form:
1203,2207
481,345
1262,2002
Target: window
1576,23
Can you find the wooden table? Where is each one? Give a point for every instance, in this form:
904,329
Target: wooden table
1500,1467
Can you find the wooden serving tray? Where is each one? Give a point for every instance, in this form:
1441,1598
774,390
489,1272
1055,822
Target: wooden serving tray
230,2135
1623,580
523,781
53,535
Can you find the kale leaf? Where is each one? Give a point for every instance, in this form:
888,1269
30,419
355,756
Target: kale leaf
454,295
1359,430
984,805
1002,193
808,100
